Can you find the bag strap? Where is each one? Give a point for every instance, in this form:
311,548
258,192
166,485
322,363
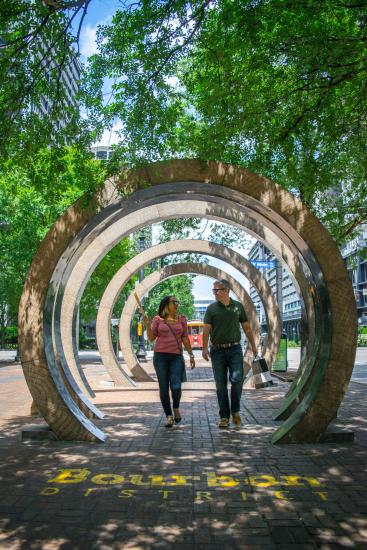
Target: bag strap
178,343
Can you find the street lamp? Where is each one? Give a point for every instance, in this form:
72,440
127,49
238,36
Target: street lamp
141,353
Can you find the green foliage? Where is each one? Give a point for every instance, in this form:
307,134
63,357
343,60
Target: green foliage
181,287
37,44
293,344
276,86
362,340
32,197
100,278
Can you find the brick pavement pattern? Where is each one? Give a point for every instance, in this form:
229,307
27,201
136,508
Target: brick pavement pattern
193,486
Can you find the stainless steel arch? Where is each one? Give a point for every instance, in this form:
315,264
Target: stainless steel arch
121,277
92,248
171,271
278,219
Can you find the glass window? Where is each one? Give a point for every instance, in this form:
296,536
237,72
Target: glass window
101,155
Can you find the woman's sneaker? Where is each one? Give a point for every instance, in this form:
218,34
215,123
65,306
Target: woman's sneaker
169,422
223,423
236,419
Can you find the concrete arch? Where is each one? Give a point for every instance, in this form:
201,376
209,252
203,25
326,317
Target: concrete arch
171,271
62,266
121,277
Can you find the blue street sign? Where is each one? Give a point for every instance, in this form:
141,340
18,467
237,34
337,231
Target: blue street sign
267,264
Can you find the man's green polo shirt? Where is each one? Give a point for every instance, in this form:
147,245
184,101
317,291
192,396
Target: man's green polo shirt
225,321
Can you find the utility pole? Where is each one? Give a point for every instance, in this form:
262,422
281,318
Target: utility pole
279,288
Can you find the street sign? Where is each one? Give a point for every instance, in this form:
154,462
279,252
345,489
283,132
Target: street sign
267,264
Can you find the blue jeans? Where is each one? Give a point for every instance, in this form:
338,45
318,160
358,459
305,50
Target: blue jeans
228,361
168,367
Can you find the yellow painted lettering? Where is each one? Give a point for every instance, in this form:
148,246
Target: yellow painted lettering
126,493
182,480
323,496
221,481
157,480
165,493
138,480
107,479
300,480
70,476
90,490
50,491
203,495
281,495
263,481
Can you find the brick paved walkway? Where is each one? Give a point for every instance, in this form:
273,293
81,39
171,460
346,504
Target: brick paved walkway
194,486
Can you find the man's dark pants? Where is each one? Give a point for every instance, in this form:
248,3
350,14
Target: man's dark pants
228,362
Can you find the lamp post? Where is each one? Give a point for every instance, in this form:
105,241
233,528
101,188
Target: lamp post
141,353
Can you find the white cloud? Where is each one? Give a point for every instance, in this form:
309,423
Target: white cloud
111,137
88,43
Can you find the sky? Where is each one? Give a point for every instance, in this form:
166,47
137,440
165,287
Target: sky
100,12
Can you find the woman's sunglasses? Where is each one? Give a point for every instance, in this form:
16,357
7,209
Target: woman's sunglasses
174,302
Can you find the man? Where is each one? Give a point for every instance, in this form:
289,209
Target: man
222,322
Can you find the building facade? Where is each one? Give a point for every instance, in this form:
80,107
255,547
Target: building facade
283,288
68,77
354,255
200,306
101,152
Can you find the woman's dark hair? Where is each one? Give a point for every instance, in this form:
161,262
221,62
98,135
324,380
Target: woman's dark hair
164,303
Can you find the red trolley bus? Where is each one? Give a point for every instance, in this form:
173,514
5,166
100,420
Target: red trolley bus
195,329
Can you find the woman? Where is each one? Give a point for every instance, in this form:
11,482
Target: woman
170,331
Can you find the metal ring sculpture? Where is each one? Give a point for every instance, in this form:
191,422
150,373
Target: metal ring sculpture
122,276
171,271
184,188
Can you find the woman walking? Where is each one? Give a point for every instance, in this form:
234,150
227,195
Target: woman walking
169,331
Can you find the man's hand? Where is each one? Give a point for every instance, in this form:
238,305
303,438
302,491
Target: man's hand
205,354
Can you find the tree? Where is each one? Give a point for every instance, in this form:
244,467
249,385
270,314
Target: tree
100,278
38,41
181,287
31,199
277,86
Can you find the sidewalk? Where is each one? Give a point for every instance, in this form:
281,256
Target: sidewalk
193,486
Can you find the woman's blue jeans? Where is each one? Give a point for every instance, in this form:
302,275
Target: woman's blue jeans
228,361
168,367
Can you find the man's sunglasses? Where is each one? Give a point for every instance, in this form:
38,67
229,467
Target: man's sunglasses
215,290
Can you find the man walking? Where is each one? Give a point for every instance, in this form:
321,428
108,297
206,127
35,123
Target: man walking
222,322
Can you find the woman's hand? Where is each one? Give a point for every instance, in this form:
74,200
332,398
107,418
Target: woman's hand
192,362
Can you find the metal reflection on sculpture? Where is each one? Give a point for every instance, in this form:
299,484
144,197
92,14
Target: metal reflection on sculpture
171,271
238,196
121,277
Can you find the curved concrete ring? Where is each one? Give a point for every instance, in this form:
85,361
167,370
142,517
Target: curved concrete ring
306,245
171,271
92,249
71,279
119,280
